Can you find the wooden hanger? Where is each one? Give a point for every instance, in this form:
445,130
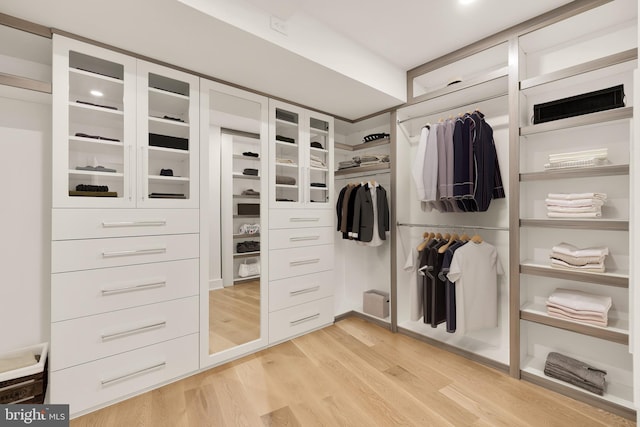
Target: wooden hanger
465,237
476,238
438,236
446,236
444,247
426,236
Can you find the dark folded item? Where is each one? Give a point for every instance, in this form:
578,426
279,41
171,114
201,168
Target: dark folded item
318,184
85,135
96,105
375,136
250,192
575,372
248,246
250,171
348,166
285,139
286,180
248,209
286,116
166,141
93,193
315,144
175,119
166,172
95,169
167,196
280,199
250,154
89,187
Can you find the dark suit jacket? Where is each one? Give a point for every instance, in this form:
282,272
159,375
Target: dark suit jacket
363,213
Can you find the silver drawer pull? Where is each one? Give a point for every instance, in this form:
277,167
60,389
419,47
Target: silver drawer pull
145,328
305,261
134,223
134,252
133,374
304,319
304,291
304,219
303,238
133,288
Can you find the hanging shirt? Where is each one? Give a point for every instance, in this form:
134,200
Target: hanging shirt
417,170
415,285
474,269
488,181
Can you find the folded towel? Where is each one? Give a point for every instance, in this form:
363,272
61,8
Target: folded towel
574,215
576,196
569,249
250,171
578,260
579,319
575,372
573,202
601,315
574,209
579,300
590,268
286,180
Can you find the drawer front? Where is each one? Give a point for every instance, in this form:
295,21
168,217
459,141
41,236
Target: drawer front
84,293
74,255
86,386
299,218
300,237
88,338
100,223
299,290
297,320
285,263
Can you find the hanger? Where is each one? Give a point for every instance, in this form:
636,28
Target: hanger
476,238
446,236
465,237
438,236
444,247
427,237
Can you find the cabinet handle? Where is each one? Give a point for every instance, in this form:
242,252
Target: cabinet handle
134,252
304,219
305,261
303,238
133,374
134,223
133,288
304,291
145,328
304,319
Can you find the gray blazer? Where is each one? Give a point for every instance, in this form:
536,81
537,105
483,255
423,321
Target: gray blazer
363,213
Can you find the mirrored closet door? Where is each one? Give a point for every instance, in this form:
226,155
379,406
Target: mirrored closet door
233,273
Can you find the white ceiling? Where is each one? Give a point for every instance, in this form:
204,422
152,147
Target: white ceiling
348,58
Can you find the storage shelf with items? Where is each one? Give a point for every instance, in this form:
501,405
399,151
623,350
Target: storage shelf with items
572,96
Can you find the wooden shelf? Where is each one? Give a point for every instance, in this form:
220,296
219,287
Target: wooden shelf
25,83
617,331
363,146
617,279
361,169
607,61
587,224
583,120
595,171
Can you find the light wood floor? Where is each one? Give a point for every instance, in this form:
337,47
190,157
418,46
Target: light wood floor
234,315
351,374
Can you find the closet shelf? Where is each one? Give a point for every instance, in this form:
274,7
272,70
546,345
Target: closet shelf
101,142
586,119
616,278
25,83
617,331
485,78
240,196
245,279
168,153
286,144
246,216
168,179
617,394
240,176
318,150
245,236
96,109
363,146
95,76
247,255
167,122
286,123
287,165
360,169
250,158
96,173
610,170
595,224
597,64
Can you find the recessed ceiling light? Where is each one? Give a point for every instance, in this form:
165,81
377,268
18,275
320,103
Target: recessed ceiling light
465,2
96,93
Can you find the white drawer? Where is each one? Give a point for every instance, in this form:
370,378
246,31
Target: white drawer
299,290
89,385
83,293
285,263
73,255
99,223
297,320
300,237
301,218
88,338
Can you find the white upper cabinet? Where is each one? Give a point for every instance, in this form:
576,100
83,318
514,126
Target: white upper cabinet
301,157
106,106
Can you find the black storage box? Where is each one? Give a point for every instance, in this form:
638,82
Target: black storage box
165,141
600,100
248,209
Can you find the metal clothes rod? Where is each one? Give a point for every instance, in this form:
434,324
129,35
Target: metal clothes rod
466,227
456,107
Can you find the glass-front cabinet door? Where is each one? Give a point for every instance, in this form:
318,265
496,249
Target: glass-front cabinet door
287,158
319,160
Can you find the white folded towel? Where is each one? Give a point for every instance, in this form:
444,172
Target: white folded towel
571,312
574,214
576,196
591,268
579,300
574,202
569,249
559,314
574,209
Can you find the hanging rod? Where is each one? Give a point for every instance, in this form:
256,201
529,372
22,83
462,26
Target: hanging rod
466,227
456,107
234,132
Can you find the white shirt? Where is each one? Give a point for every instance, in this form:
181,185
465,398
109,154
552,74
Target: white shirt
417,171
416,289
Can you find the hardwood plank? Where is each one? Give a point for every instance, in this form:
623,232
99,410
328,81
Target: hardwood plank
281,417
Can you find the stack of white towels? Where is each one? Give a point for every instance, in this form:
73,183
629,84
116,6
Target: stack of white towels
579,306
575,205
568,257
577,159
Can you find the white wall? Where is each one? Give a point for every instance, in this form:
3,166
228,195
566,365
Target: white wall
25,223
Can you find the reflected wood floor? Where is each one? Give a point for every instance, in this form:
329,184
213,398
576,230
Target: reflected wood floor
351,374
234,315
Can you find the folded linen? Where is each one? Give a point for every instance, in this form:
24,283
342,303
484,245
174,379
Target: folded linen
575,372
574,215
574,202
574,209
569,249
591,268
286,180
577,196
553,312
578,260
580,300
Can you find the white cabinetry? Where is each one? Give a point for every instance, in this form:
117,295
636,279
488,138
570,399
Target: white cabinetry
124,282
601,53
